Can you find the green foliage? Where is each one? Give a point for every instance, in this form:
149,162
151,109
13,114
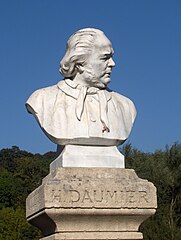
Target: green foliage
13,225
21,172
163,168
10,189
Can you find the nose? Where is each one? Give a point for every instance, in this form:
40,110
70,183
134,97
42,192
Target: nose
111,63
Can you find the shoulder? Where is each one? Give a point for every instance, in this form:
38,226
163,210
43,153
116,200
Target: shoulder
122,98
37,98
125,102
44,91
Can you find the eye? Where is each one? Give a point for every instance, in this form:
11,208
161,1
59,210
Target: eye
106,57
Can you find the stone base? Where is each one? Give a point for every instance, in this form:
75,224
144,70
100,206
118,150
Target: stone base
89,156
91,204
96,236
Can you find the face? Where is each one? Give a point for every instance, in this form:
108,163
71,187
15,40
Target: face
98,67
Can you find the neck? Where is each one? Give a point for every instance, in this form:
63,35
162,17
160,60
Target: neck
79,79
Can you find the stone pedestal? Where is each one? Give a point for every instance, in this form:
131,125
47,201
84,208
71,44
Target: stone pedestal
89,157
91,204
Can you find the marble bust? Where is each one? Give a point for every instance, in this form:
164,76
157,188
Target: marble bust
81,110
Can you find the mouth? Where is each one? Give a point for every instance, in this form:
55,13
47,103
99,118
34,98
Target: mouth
108,74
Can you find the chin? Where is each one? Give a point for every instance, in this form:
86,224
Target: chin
106,81
99,85
102,84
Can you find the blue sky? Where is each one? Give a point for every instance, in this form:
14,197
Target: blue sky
146,37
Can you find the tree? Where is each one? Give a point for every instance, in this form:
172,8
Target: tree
163,168
13,225
21,172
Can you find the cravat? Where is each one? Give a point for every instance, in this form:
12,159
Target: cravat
103,108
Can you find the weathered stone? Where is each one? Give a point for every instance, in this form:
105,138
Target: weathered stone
91,203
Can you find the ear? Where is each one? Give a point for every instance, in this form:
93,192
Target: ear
80,68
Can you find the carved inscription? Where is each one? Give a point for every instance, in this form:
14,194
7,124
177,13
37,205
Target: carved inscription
99,189
95,197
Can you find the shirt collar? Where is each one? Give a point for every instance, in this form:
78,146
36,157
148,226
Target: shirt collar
69,87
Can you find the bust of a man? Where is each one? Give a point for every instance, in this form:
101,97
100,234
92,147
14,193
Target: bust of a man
80,109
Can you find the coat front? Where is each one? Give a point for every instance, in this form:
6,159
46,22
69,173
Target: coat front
54,108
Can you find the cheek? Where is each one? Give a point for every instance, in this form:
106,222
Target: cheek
100,67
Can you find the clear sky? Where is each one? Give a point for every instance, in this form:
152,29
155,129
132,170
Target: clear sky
146,37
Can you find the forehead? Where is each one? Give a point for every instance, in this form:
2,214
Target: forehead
103,44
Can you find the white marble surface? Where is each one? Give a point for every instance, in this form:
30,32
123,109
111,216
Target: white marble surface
89,156
54,108
81,109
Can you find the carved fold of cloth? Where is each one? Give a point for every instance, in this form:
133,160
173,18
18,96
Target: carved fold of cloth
83,91
70,113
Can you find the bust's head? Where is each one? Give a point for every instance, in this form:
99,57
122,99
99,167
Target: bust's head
88,58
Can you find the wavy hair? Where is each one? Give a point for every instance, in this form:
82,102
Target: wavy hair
78,47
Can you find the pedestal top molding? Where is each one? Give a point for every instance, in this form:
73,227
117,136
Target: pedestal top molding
92,188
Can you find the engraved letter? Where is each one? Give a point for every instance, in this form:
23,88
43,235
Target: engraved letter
112,195
143,195
98,197
86,196
56,195
131,197
75,195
